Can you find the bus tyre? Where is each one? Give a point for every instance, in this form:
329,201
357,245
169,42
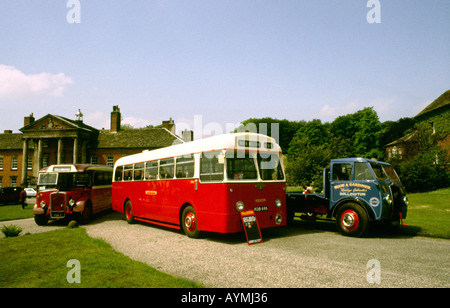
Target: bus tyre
189,222
86,216
352,220
41,220
129,212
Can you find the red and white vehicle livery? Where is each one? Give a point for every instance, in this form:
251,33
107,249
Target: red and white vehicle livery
79,190
204,185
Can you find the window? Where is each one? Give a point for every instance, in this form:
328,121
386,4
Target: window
241,168
128,173
29,163
13,181
185,167
166,167
94,160
151,170
45,159
14,163
139,172
110,160
342,172
118,175
1,162
362,172
102,178
270,167
211,167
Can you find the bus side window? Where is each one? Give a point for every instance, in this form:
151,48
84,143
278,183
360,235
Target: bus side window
166,168
128,173
119,174
211,168
151,170
138,171
185,167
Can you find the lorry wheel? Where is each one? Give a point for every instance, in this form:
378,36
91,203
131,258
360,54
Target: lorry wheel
352,220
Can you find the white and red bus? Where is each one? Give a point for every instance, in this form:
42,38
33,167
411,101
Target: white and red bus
204,185
77,190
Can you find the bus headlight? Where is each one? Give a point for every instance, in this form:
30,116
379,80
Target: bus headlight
239,206
42,204
278,203
405,200
71,202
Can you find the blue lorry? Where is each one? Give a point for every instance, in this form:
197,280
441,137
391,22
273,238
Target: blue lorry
356,192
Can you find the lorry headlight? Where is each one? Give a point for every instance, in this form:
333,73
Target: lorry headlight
278,203
388,198
239,206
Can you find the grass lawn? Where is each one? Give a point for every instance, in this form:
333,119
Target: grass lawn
40,260
429,214
13,212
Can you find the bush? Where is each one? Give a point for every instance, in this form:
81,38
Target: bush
11,230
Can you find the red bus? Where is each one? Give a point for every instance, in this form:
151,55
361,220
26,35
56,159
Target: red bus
203,185
77,190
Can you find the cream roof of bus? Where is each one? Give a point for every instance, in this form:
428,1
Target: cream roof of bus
220,142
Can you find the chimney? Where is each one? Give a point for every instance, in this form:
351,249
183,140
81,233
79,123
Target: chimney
115,119
169,125
187,135
28,120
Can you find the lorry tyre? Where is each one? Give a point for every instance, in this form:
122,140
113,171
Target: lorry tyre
352,220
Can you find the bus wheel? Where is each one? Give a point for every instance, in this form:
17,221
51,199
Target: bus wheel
86,216
41,220
352,220
129,212
189,222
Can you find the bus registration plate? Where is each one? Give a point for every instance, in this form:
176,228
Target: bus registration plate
261,208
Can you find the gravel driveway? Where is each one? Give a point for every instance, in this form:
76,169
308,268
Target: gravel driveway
298,256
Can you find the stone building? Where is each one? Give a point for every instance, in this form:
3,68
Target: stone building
53,139
436,119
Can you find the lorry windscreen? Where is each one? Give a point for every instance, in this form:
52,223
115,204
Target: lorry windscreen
385,172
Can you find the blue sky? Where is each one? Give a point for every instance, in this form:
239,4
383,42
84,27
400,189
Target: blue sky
222,60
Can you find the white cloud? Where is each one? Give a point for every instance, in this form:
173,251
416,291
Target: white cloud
15,84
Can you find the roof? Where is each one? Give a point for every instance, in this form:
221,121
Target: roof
411,137
51,121
11,142
440,102
215,143
143,138
75,168
357,159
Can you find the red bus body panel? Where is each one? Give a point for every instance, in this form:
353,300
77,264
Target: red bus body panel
161,202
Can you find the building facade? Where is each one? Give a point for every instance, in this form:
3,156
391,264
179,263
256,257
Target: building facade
53,139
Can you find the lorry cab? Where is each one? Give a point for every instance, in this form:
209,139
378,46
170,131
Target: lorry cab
373,185
357,191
